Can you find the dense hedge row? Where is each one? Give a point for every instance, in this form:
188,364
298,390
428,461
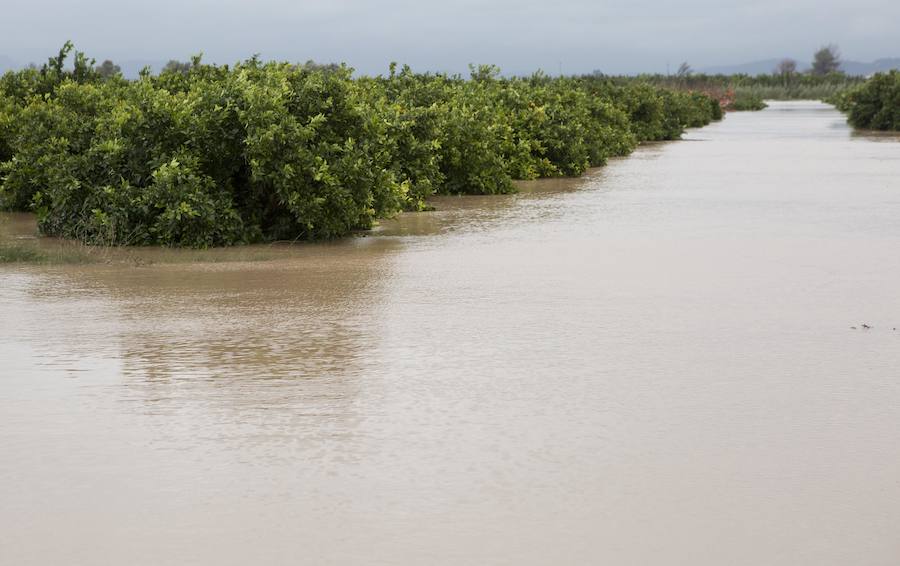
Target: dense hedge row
747,92
218,155
795,79
875,104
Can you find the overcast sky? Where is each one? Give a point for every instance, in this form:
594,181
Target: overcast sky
615,36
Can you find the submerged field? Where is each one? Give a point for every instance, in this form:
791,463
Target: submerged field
650,364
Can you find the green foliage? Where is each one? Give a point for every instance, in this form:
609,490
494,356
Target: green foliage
8,111
795,91
744,101
204,155
655,113
784,84
875,104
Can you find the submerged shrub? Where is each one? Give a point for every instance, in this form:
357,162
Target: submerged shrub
746,101
263,152
875,104
316,167
8,111
407,107
205,155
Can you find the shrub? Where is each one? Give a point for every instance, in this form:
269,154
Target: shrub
744,101
875,104
204,155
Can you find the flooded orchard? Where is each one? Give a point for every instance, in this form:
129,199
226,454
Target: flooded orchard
653,364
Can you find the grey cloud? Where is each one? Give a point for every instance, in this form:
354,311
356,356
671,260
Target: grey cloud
520,36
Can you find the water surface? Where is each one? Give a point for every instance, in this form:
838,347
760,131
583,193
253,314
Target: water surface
652,364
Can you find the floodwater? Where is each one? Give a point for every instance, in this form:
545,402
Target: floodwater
653,364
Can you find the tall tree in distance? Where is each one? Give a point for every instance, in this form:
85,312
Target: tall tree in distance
786,69
108,69
826,60
328,67
684,70
174,66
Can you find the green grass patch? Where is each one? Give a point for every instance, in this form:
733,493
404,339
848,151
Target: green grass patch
12,253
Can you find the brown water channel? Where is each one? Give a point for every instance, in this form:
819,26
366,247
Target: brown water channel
649,365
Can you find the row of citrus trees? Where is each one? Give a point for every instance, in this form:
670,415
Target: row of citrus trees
873,105
218,155
749,91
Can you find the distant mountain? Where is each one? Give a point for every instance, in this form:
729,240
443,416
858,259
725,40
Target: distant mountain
866,69
766,66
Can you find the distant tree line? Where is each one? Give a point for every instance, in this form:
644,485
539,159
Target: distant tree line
826,60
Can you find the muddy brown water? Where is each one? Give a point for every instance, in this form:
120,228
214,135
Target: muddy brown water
649,365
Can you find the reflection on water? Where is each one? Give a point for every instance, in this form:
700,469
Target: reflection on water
651,364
